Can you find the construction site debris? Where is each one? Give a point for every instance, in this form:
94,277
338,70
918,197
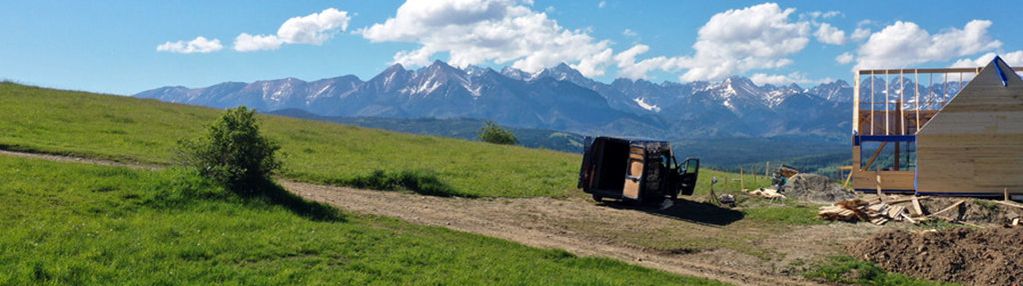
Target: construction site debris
875,211
766,193
989,256
880,210
815,188
727,200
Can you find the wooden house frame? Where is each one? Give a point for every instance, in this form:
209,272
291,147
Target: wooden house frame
971,144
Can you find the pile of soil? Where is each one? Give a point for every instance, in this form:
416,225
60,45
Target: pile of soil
991,256
976,211
815,188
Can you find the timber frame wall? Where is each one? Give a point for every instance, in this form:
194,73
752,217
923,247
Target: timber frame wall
893,117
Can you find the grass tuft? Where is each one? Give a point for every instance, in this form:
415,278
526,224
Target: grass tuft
421,182
850,271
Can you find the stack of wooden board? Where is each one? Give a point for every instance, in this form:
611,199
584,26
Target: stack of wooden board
766,193
876,211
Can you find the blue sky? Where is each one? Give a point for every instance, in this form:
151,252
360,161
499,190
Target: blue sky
112,46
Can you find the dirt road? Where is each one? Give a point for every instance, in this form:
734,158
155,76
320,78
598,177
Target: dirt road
710,244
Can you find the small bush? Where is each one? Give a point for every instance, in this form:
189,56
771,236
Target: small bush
233,153
492,133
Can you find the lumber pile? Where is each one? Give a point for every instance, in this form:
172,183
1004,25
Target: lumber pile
876,211
766,193
882,209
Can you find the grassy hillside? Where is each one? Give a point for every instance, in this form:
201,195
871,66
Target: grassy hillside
78,224
130,129
461,128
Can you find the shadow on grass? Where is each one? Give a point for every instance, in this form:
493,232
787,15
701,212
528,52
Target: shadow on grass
419,182
274,194
695,212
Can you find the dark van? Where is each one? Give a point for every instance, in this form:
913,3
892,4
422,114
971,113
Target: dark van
643,171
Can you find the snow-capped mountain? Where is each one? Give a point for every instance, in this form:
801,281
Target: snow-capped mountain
558,98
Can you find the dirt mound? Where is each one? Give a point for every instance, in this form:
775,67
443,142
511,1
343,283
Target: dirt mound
992,256
815,188
976,211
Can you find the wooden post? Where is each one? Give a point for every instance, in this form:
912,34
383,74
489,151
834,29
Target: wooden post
902,112
944,92
871,102
887,99
879,194
742,186
896,161
917,94
1005,193
849,178
856,105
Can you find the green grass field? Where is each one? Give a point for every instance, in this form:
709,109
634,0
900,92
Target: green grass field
128,129
76,224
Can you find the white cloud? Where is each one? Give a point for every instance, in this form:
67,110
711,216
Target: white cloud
736,41
478,31
249,43
824,14
629,68
1014,59
601,4
845,58
198,45
830,35
860,34
905,43
731,42
779,79
312,29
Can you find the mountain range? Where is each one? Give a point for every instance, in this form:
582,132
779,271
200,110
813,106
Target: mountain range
556,98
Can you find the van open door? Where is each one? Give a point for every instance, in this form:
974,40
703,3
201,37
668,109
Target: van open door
687,176
634,172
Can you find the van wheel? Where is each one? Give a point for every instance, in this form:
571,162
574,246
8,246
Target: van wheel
598,198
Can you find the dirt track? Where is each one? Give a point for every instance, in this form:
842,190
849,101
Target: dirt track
584,228
539,222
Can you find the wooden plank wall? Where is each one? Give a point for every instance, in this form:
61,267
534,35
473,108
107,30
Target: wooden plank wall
975,144
890,180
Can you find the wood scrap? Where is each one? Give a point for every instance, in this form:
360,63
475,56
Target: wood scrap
895,211
956,204
917,210
767,193
907,199
1010,204
873,211
909,219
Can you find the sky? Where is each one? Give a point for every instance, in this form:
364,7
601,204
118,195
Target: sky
124,47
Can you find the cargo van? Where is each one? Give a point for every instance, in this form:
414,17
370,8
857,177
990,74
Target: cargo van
641,171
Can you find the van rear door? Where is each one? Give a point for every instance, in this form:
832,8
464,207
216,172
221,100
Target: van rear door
634,173
687,180
586,169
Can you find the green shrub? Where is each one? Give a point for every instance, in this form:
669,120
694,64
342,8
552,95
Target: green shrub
492,133
233,153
